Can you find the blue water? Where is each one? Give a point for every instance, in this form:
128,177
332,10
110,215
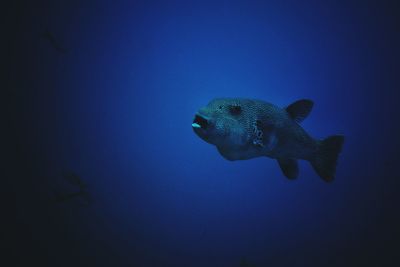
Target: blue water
117,109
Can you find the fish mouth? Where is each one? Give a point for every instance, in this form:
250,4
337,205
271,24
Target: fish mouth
200,122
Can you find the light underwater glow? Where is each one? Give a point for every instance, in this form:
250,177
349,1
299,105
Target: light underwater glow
108,90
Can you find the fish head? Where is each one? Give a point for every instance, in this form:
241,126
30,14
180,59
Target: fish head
221,123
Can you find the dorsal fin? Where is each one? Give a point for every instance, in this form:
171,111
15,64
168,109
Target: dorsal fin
300,109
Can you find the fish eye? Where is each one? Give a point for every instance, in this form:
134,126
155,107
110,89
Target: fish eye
235,109
220,107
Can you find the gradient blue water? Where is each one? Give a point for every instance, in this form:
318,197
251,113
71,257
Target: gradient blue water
117,109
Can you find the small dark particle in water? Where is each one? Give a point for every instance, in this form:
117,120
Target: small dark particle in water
75,180
245,263
54,43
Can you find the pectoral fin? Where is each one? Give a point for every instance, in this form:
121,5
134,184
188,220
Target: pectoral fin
289,167
225,153
263,134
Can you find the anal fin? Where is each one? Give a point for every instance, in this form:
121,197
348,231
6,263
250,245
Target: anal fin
289,168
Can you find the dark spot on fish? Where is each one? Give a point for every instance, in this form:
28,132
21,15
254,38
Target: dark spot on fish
235,109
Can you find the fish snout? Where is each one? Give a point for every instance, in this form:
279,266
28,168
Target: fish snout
200,122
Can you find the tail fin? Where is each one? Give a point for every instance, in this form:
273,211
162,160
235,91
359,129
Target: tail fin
324,162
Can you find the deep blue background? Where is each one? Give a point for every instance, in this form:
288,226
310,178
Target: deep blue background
117,110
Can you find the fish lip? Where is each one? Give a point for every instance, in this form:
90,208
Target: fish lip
200,122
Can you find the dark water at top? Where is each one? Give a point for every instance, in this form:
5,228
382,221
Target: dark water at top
101,95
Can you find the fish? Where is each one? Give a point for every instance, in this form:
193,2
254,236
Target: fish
243,129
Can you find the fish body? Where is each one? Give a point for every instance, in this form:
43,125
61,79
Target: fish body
247,128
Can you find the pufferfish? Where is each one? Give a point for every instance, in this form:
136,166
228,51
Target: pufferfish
245,128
